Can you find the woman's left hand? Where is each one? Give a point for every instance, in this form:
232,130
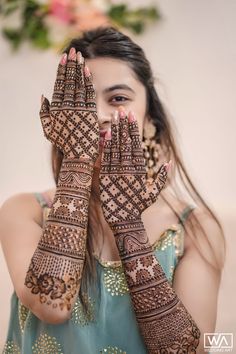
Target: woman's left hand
124,190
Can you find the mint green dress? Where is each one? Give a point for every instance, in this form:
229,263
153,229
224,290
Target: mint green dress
110,324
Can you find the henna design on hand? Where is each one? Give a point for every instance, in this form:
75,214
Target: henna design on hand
125,191
164,322
71,121
56,266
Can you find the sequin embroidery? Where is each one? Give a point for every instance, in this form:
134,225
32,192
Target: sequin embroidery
78,316
114,281
46,344
11,347
111,350
172,236
22,315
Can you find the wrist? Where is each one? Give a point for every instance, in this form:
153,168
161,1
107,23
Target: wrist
125,226
75,174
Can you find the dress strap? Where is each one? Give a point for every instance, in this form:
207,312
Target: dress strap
185,213
42,199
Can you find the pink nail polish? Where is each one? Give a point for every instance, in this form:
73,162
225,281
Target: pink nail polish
72,54
86,71
122,114
63,59
168,165
131,116
80,58
108,135
115,116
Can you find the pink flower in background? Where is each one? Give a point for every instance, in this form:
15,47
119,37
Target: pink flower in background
88,17
61,9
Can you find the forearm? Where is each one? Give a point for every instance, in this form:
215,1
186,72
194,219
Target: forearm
163,320
56,266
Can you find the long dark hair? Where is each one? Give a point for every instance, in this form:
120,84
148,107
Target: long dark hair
110,42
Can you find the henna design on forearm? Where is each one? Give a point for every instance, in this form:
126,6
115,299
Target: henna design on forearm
165,324
56,266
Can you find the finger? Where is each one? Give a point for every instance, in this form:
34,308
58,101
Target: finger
70,80
58,91
44,114
137,150
115,141
125,140
161,177
80,92
106,155
90,91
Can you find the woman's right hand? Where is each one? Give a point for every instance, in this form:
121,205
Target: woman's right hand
70,122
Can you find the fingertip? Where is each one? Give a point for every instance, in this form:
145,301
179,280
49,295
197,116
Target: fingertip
87,71
108,135
115,116
63,59
80,58
131,116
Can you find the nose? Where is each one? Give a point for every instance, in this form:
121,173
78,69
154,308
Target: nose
104,120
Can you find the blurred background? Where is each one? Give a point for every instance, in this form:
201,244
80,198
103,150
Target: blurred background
191,45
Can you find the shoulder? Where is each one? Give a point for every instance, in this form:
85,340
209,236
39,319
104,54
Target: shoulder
21,203
21,206
206,235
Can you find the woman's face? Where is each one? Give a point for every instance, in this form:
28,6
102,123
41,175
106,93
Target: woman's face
116,85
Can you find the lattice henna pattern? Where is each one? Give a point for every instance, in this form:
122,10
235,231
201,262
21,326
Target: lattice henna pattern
165,324
56,266
71,121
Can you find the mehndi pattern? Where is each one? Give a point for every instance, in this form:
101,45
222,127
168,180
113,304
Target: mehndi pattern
70,123
164,322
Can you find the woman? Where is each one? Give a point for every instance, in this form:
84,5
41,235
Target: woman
98,264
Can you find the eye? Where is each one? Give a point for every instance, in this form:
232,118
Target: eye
118,99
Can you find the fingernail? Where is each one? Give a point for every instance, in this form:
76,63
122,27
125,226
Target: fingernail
168,165
115,116
72,54
86,71
80,58
108,134
64,59
122,114
131,116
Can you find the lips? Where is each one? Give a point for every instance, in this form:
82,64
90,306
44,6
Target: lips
103,133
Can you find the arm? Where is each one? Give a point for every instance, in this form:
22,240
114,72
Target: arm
199,293
71,124
164,322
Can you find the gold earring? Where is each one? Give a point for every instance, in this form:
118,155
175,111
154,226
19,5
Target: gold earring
151,149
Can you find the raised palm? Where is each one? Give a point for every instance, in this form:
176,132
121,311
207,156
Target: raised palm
124,190
70,122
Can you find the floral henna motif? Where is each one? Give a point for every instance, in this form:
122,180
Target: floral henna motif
56,267
164,322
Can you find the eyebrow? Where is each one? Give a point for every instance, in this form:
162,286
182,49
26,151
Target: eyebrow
118,87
